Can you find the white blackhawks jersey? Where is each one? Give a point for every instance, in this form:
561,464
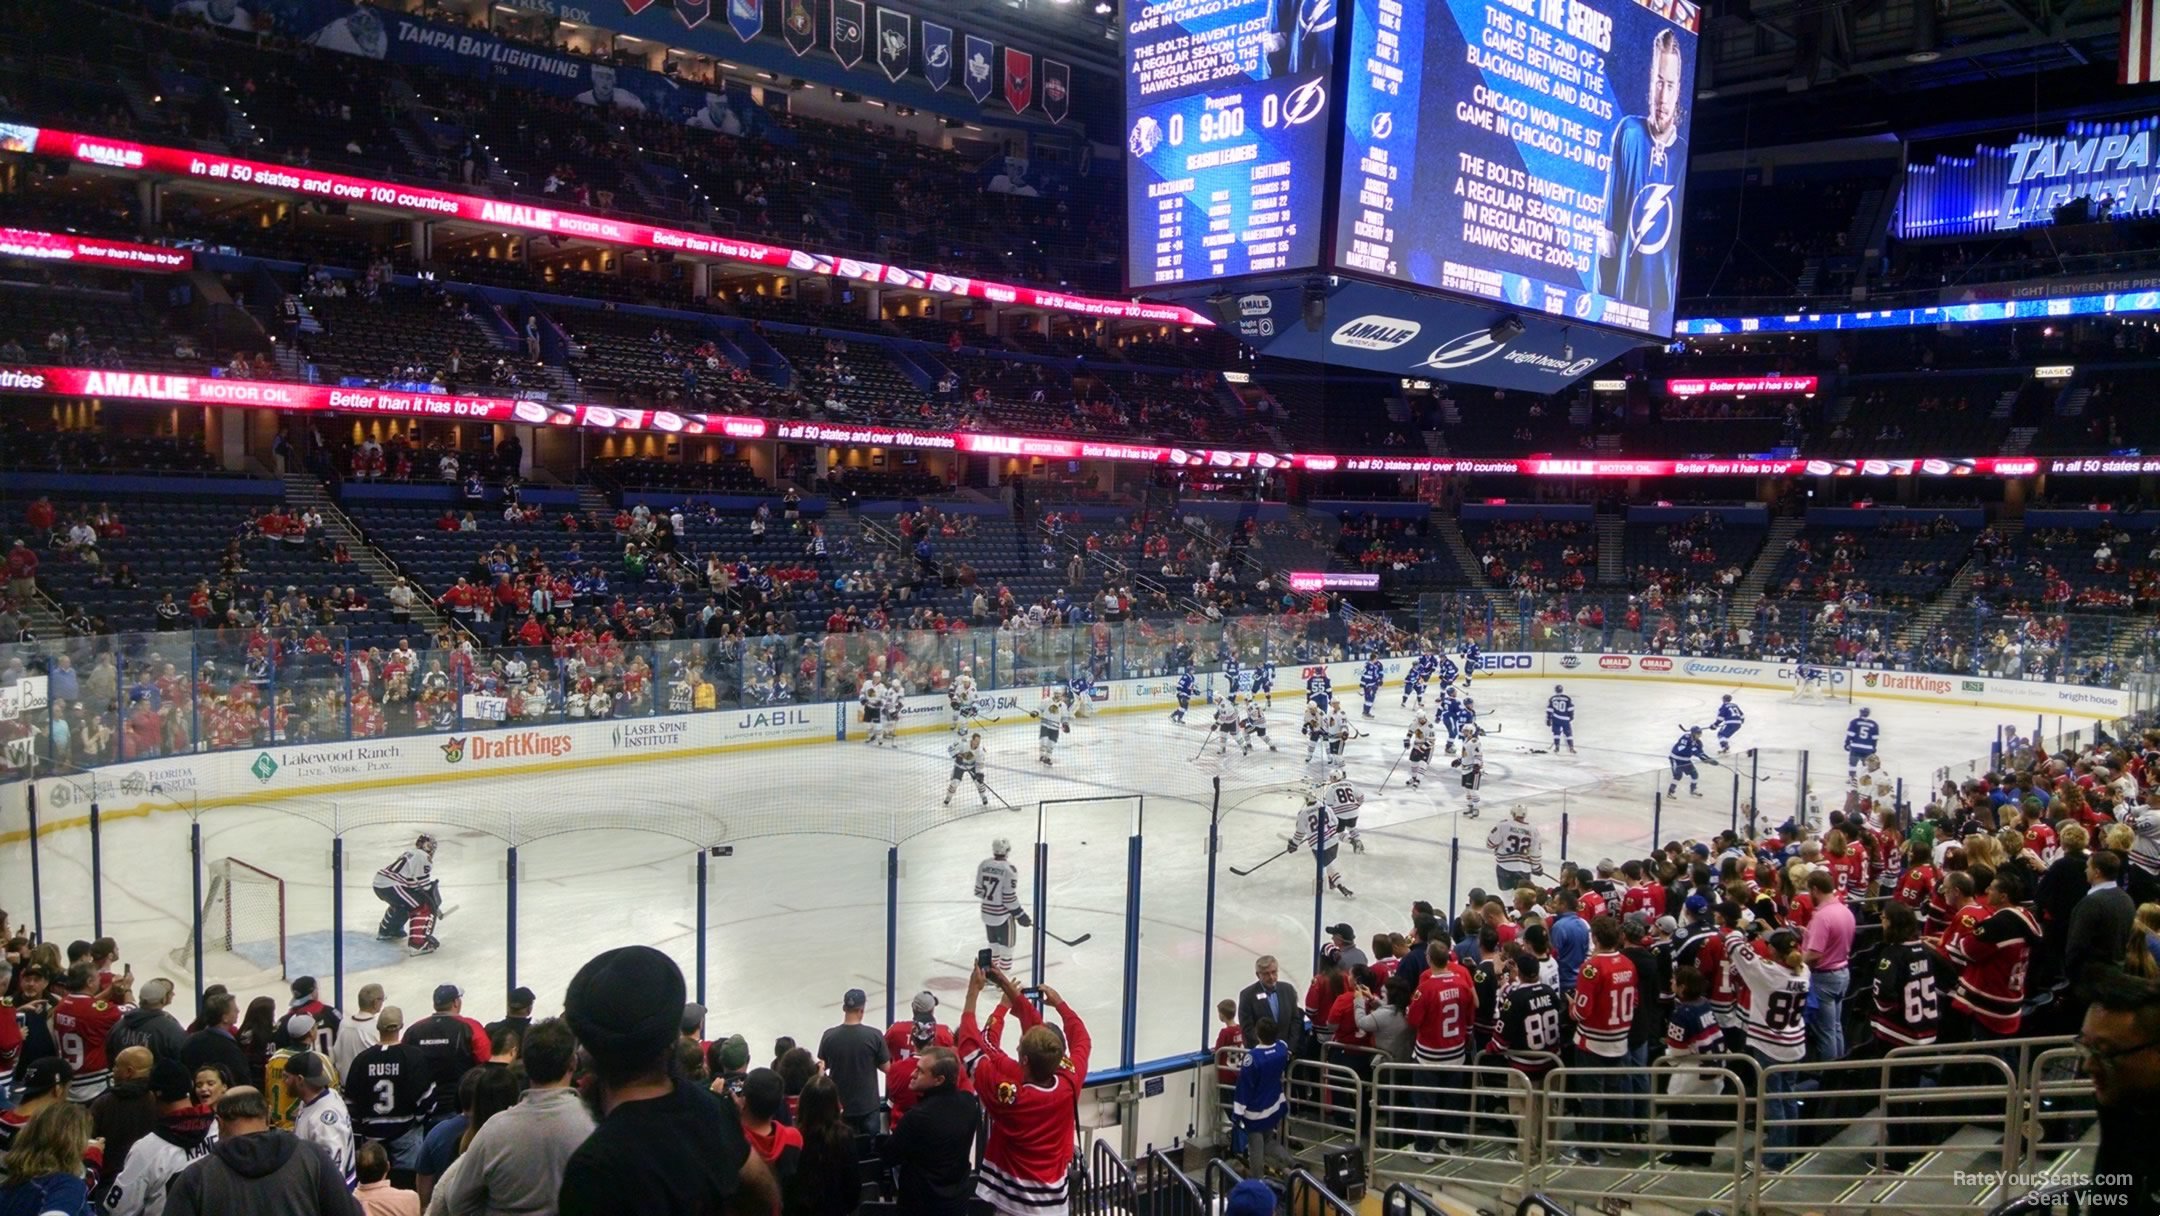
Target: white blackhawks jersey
1336,722
413,869
1515,845
1226,713
1255,717
1421,734
1312,718
894,698
1317,822
963,689
997,886
1473,752
964,755
1342,798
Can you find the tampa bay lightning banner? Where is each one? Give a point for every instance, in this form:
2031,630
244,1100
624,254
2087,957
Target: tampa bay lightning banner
798,26
937,54
1056,89
895,38
981,76
693,12
1019,79
746,18
847,31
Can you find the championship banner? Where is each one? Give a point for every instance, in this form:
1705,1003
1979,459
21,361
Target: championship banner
847,32
693,12
799,27
937,54
1019,79
895,35
979,82
1056,89
36,246
746,18
637,6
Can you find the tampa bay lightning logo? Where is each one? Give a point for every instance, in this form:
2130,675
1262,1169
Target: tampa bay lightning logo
1383,124
938,55
1305,102
1650,220
1146,137
1463,350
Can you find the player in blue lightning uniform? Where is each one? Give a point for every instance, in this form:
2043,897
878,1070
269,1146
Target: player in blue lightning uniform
1637,252
1456,713
1445,672
1232,674
1318,689
1730,718
1686,750
1560,716
1413,685
1264,680
1860,736
1473,661
1187,689
1370,679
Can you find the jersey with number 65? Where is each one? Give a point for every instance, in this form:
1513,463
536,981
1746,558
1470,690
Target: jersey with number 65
388,1090
1907,996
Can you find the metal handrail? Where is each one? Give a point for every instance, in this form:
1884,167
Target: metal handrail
1562,1167
1308,1196
1325,1105
2073,1103
1106,1189
1171,1192
1975,1097
1428,1118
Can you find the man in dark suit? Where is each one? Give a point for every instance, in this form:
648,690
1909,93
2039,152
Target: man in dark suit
933,1141
1268,994
2100,925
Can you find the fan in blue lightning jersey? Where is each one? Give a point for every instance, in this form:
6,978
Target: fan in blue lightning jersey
1319,690
1187,689
1860,736
1413,685
1369,681
1686,750
1264,680
1560,716
1730,718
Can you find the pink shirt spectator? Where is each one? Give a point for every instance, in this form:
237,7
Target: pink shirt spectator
1829,937
381,1199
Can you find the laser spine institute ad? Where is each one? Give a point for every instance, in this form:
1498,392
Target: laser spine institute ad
1527,152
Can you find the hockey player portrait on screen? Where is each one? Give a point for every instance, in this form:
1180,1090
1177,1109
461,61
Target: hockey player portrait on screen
1638,257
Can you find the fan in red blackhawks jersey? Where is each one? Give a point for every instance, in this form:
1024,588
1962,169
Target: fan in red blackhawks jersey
80,1024
1033,1102
1991,988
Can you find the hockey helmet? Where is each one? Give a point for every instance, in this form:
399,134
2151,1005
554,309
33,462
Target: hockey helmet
1726,699
1558,688
425,844
1336,772
1694,730
1000,847
1519,812
1864,712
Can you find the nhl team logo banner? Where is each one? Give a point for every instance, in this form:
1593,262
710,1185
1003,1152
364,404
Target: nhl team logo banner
895,34
746,18
1019,79
798,25
693,12
978,70
937,54
637,6
847,32
1056,88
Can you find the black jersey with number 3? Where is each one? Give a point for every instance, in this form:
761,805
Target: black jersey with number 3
1906,987
388,1090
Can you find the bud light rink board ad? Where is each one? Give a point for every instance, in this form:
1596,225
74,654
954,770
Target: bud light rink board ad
1530,153
1226,110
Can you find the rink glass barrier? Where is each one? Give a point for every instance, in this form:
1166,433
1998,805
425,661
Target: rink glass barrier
765,856
2092,648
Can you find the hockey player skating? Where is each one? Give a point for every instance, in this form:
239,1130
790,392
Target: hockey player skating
1472,763
1861,735
1318,825
1056,722
1419,740
997,889
1730,718
894,706
1187,689
1337,725
1264,681
1369,681
1315,733
961,696
1517,853
412,898
1225,726
1458,715
1444,673
1413,685
872,699
1318,689
1253,725
967,758
1686,750
1473,661
1344,801
1560,717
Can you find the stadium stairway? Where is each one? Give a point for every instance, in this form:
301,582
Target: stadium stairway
1957,591
304,491
1612,548
1445,527
1740,609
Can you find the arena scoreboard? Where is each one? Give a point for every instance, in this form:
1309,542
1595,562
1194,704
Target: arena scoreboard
1527,155
1227,124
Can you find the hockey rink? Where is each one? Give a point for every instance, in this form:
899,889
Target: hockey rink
798,914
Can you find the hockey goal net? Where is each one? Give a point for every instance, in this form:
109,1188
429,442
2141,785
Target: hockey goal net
1823,686
243,914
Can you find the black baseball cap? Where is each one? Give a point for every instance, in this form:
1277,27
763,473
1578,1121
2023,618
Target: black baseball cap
42,1075
522,998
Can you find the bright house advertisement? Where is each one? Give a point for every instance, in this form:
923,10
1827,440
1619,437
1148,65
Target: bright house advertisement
1527,152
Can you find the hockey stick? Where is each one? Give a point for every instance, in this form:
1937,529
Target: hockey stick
1000,797
1391,772
1068,941
1249,869
1204,742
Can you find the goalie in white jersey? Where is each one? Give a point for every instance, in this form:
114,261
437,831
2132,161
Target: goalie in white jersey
412,897
997,889
1318,824
1517,852
967,757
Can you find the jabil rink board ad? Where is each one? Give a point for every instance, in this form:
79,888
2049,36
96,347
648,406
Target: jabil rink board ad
1227,117
1531,153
